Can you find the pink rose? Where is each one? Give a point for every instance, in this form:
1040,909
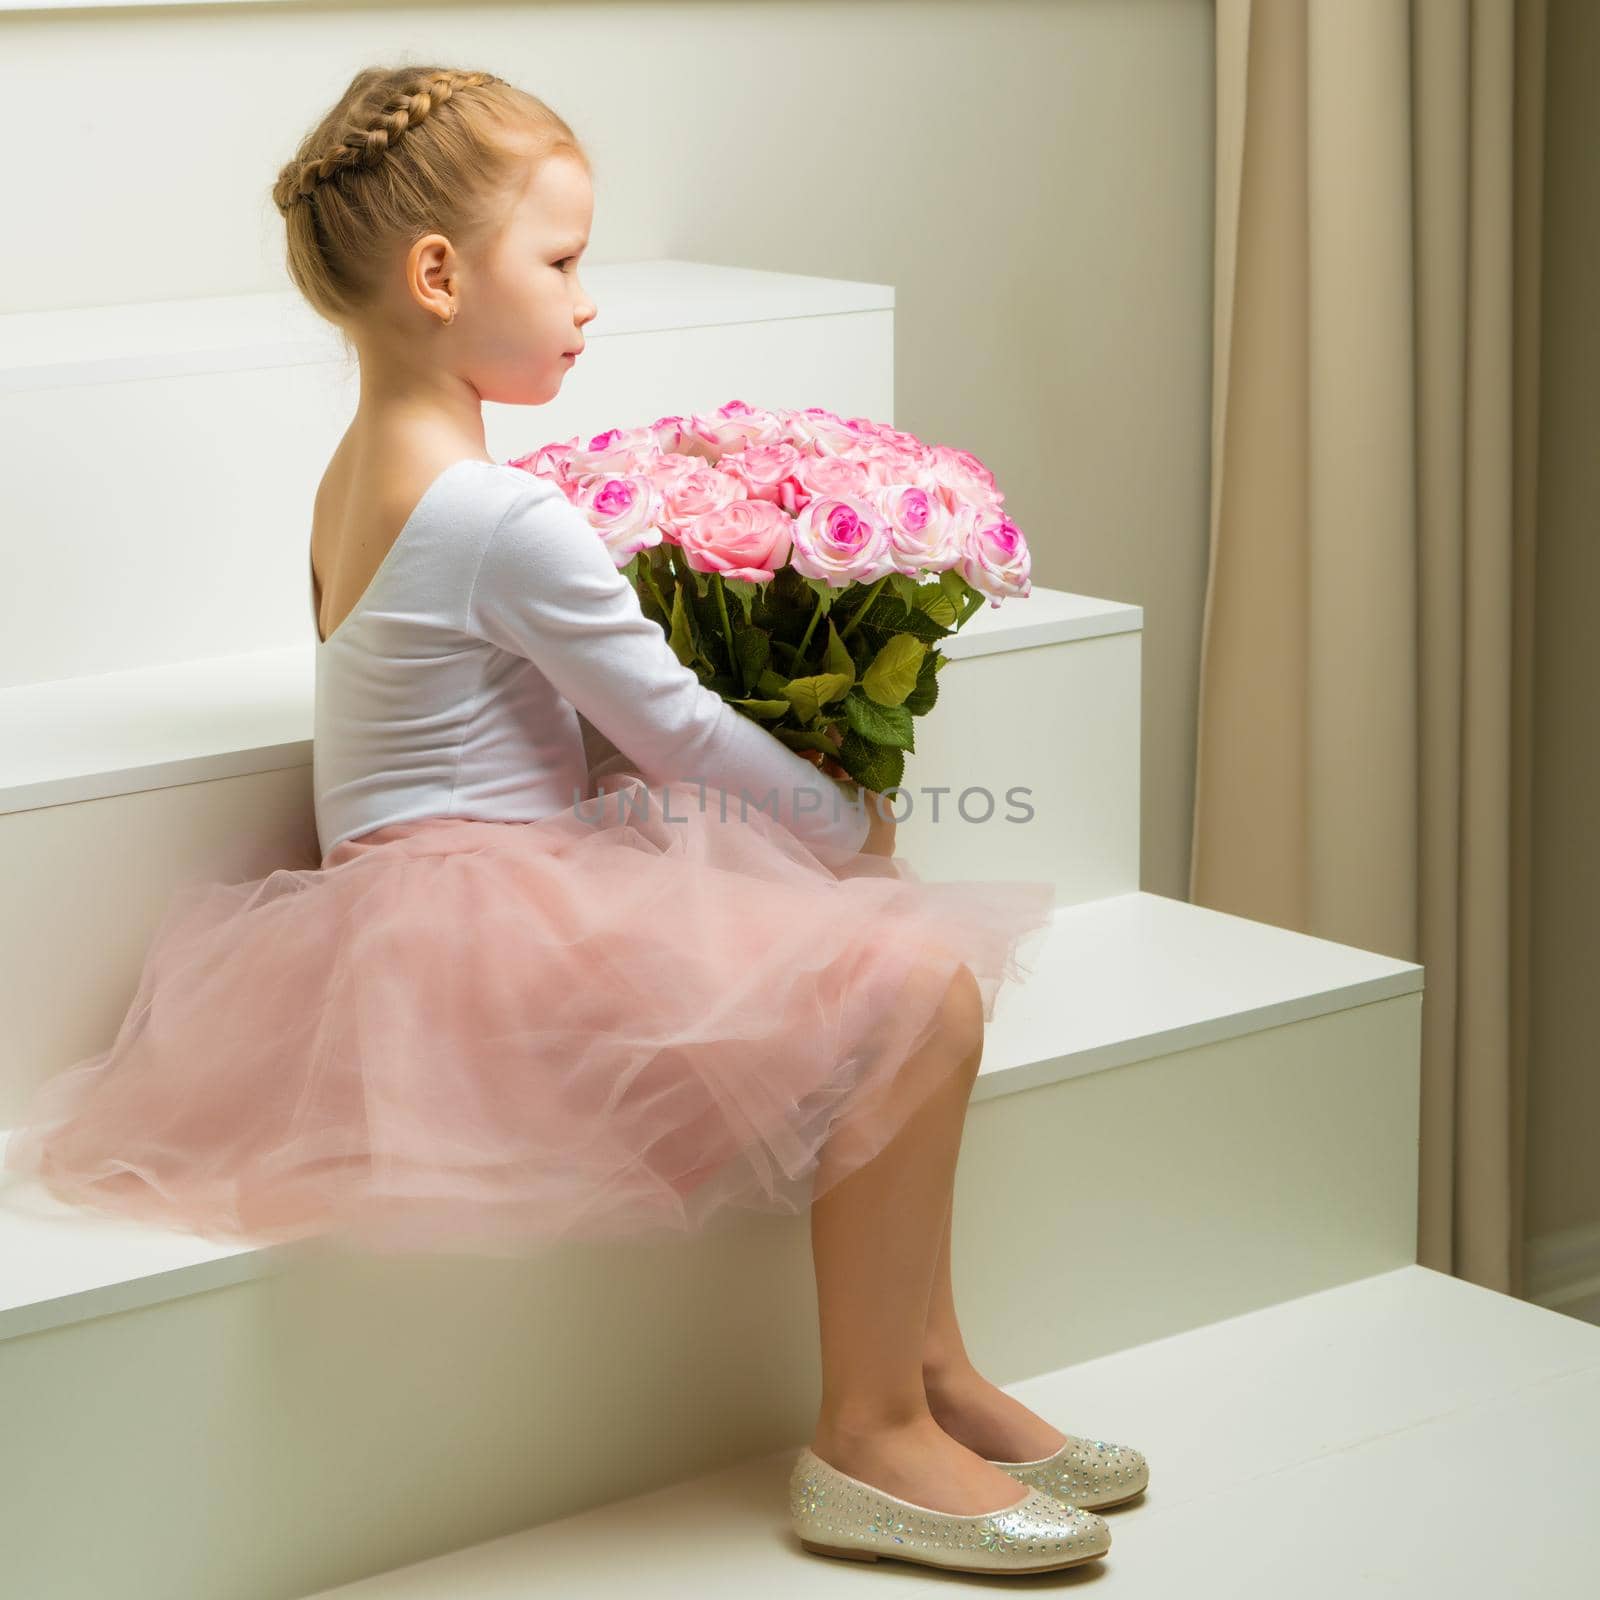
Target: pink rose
965,474
690,488
614,453
924,535
824,429
888,462
625,511
761,470
842,542
614,439
552,461
994,558
833,477
746,539
671,436
734,426
894,438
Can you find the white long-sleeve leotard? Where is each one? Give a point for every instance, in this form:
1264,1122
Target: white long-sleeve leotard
498,652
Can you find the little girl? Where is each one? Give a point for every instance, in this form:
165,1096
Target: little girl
523,1000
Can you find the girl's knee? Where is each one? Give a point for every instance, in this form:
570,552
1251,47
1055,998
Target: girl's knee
960,1019
952,1041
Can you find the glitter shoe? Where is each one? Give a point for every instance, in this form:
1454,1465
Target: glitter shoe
1085,1472
837,1515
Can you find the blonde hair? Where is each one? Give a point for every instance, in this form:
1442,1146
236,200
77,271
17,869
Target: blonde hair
406,151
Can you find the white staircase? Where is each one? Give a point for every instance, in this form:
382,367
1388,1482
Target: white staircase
1239,1102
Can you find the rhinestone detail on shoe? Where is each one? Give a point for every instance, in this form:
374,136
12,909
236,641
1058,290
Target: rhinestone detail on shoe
830,1508
1084,1472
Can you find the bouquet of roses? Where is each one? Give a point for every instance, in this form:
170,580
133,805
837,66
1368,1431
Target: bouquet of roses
805,566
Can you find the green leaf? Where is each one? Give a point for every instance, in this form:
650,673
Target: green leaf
886,617
893,673
809,695
744,592
772,683
838,659
752,649
921,699
821,586
935,604
764,708
647,604
905,589
680,638
881,724
955,585
804,739
879,767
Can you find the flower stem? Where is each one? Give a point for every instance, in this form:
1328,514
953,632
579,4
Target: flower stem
805,638
864,608
727,627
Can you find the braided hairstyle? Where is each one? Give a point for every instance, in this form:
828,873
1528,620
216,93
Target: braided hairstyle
406,151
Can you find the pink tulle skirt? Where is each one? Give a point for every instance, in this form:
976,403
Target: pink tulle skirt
489,1037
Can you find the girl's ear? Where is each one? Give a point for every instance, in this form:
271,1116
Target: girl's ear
430,271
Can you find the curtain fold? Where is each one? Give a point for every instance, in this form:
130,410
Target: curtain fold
1363,740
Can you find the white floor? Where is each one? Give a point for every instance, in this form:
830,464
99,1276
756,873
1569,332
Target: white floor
1408,1434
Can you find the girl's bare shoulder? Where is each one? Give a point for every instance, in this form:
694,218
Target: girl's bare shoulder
367,494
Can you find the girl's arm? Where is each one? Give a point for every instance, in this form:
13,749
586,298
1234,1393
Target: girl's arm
547,589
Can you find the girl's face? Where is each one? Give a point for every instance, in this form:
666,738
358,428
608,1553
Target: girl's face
521,306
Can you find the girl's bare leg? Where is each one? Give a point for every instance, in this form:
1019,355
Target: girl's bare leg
875,1238
964,1403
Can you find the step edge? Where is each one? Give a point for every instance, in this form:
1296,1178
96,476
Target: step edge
182,336
1016,1076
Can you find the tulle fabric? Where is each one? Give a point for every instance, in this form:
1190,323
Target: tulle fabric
466,1035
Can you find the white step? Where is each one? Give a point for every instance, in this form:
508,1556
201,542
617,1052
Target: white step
207,766
161,458
1192,1113
1406,1434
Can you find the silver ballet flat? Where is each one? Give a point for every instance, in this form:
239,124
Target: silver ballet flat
837,1515
1085,1472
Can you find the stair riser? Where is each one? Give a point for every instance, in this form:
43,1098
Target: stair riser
1134,1202
346,1416
1040,747
88,885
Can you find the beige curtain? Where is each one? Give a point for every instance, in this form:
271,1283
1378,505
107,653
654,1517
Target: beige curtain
1363,754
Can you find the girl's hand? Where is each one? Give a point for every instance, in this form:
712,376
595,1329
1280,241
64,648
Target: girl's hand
880,824
821,758
880,815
